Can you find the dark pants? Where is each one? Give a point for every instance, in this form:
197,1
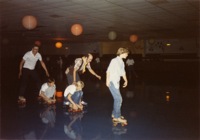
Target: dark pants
70,79
26,75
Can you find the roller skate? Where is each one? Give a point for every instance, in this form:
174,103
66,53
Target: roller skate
84,103
74,111
119,130
21,102
66,103
49,102
121,121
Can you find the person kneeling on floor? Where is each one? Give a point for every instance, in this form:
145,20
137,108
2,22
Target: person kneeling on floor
48,91
73,95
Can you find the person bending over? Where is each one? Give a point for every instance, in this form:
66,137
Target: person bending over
79,67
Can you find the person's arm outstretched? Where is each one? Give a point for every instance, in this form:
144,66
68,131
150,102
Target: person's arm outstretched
45,68
20,67
93,73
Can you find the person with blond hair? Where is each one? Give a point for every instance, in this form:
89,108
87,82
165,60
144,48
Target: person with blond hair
73,95
79,67
115,71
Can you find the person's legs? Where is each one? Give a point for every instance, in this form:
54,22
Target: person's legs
66,101
77,77
24,81
36,78
76,97
45,98
117,100
70,79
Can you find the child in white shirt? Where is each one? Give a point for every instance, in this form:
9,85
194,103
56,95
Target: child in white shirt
48,91
73,93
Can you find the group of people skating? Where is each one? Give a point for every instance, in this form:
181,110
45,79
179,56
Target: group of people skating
73,93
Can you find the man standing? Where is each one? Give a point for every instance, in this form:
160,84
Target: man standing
115,71
27,69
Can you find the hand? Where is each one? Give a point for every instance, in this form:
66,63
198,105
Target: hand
80,106
75,107
47,74
99,77
53,100
125,84
49,101
107,83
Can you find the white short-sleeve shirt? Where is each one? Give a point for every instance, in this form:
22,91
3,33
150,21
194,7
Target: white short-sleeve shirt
48,90
70,90
31,59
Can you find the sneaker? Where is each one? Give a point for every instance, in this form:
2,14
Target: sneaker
83,103
66,103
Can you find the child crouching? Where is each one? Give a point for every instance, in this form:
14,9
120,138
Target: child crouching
48,91
73,94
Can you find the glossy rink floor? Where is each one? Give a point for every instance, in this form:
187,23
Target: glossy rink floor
157,107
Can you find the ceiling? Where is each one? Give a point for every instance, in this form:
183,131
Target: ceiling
145,18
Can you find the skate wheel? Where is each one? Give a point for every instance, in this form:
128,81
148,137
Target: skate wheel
124,124
114,124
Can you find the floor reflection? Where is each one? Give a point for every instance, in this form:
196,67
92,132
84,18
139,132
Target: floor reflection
73,126
119,130
154,109
48,116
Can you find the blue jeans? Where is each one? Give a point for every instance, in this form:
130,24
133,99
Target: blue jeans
76,97
117,100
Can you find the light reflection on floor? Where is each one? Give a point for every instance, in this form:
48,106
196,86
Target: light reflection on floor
154,110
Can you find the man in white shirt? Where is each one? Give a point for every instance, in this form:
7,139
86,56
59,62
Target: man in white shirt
27,69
